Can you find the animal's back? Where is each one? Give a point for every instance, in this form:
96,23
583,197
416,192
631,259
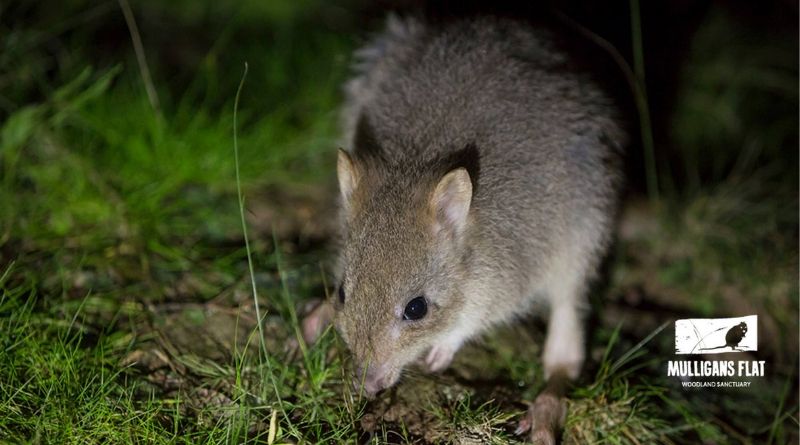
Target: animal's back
544,134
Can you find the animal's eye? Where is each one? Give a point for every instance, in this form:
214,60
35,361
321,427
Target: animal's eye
415,309
341,293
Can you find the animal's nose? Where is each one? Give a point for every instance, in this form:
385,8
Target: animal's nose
371,380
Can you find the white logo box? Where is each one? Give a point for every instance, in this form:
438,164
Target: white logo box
716,335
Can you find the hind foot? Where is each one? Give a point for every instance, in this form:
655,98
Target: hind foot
544,419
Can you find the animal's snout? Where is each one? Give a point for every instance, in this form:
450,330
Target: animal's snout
371,379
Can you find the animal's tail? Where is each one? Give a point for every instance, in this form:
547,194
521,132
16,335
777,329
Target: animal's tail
710,349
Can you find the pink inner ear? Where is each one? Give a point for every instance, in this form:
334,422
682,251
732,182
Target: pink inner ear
452,200
455,210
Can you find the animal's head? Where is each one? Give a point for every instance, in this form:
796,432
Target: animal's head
402,261
743,327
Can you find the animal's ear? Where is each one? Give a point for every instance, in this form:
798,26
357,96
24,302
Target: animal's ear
451,200
348,175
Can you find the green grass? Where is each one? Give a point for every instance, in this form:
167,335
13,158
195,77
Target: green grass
56,390
129,298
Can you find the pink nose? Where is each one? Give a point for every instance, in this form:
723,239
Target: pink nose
372,382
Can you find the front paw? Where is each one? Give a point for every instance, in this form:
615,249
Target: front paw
439,358
320,315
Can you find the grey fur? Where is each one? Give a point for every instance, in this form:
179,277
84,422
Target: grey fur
544,184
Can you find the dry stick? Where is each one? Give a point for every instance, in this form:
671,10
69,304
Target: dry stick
138,48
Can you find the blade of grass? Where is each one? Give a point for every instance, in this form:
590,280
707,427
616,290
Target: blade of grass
642,103
264,356
776,422
630,353
138,48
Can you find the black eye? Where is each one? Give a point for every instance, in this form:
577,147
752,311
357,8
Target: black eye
415,309
341,293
